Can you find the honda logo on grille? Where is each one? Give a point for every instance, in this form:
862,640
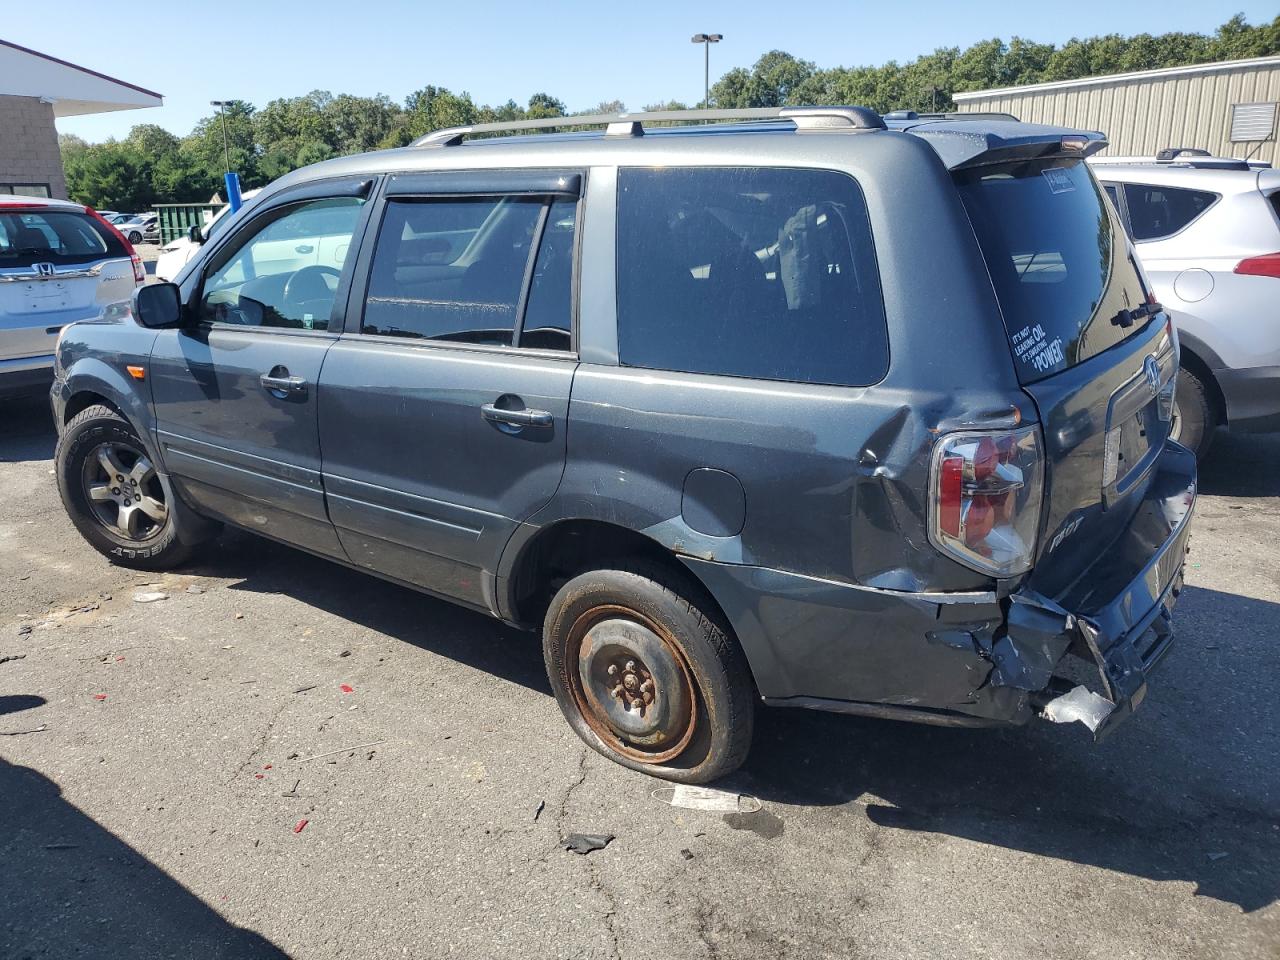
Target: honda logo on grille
1151,370
43,269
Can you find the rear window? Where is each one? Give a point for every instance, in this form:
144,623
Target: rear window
1159,212
749,272
54,236
1057,258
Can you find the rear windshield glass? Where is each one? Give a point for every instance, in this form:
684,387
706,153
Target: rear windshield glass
1057,259
54,236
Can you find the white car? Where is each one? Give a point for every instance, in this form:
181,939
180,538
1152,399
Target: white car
175,254
59,262
137,228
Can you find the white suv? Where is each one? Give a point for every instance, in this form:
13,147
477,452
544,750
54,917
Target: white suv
1208,232
59,262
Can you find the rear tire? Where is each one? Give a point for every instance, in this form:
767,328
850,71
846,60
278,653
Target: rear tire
117,499
135,237
647,675
1193,417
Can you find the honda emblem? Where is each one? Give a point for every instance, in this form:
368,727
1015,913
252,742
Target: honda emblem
1151,370
43,269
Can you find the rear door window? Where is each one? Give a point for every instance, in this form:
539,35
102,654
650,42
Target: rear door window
54,236
1156,212
749,272
457,269
1058,260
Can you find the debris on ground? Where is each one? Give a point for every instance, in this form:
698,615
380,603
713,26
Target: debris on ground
346,688
537,812
12,657
85,608
330,753
149,596
301,826
22,733
686,853
293,793
584,843
306,688
62,846
194,589
707,798
345,653
24,630
1218,855
99,696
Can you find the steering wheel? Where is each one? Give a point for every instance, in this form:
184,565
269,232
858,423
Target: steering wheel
308,285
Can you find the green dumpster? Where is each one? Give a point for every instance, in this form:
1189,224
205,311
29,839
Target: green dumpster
177,219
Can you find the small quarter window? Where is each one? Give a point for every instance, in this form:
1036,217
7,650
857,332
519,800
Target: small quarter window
1157,212
455,269
749,272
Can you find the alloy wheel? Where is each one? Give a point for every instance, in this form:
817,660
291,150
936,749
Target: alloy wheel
124,491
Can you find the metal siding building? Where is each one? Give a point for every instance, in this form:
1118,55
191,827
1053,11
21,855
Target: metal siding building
1142,113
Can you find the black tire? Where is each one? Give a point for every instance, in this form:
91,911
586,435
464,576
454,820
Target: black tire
1193,417
156,544
135,237
712,687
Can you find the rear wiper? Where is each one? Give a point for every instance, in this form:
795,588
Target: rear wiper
1127,318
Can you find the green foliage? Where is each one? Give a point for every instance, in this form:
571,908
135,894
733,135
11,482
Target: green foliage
151,165
927,83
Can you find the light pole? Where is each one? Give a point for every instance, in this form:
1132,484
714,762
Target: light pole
707,39
232,181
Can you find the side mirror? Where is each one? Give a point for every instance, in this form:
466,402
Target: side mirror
195,234
157,305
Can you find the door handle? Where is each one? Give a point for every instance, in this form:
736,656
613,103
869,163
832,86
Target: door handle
303,248
282,385
518,418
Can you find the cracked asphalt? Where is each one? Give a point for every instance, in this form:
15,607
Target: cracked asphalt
286,758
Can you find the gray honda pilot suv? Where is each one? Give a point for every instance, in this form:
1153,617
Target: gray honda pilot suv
787,405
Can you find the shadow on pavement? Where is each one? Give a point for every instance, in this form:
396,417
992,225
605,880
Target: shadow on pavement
71,888
20,701
26,430
1184,797
1242,465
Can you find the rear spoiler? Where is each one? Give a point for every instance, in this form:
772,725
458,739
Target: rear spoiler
966,144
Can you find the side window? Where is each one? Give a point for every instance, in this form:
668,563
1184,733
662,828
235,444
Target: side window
286,271
1157,212
765,273
454,269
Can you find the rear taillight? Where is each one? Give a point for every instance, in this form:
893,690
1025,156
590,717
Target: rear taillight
985,506
1267,265
139,271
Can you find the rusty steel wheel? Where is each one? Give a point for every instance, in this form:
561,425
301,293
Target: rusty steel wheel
632,683
648,674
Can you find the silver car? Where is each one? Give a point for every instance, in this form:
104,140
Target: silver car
1207,230
59,262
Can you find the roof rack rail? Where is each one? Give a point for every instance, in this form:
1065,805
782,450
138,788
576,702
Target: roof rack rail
972,115
806,119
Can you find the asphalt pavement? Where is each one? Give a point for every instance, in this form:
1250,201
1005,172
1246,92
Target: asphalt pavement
287,758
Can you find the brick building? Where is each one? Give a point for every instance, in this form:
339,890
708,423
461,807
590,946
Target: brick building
36,89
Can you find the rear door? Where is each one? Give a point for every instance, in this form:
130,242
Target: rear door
235,388
57,265
443,406
1099,365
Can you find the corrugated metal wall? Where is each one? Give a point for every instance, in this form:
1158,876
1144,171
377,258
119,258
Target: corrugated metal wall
1141,116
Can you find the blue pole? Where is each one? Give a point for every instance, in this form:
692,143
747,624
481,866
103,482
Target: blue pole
233,190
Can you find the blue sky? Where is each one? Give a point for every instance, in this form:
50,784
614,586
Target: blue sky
582,52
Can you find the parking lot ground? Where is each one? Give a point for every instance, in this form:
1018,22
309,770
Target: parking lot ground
286,758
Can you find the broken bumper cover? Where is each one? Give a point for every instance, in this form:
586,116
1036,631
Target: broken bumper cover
973,659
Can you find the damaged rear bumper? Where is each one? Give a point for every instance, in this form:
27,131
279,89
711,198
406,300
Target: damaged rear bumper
973,658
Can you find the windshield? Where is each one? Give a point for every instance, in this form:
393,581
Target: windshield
60,237
1058,261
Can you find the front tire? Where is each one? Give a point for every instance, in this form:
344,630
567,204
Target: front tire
117,499
647,674
1193,419
135,237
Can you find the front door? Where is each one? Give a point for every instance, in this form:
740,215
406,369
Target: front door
443,407
235,387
